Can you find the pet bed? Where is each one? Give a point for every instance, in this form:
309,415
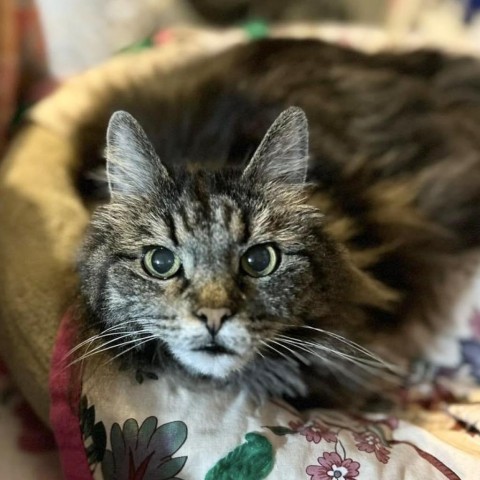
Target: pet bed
114,426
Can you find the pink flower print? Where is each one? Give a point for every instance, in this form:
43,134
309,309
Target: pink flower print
390,422
316,432
332,467
371,443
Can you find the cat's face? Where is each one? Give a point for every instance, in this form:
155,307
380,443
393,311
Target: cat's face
214,265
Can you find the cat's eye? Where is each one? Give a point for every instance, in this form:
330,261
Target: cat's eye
260,260
161,262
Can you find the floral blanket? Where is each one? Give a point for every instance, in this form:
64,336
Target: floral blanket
124,426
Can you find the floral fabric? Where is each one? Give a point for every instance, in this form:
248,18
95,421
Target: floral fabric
145,427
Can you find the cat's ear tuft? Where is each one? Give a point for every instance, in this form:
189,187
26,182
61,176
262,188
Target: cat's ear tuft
282,156
132,164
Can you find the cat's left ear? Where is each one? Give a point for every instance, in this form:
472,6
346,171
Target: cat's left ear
282,156
133,166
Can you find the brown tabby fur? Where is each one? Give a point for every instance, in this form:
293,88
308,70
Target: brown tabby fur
394,155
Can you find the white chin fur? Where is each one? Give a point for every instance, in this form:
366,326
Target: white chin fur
217,366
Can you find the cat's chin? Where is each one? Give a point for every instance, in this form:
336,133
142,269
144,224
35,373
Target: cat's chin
213,364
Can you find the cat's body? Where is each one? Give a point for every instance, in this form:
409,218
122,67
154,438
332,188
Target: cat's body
394,167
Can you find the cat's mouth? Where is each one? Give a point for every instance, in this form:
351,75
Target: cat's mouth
214,349
211,359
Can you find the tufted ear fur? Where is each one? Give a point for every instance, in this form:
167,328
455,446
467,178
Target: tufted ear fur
132,164
282,156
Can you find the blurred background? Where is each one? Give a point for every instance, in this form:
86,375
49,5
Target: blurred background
45,41
42,42
80,33
73,44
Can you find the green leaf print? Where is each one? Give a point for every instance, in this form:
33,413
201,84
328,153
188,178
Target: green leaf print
252,460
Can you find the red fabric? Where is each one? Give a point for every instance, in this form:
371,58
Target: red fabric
65,389
35,437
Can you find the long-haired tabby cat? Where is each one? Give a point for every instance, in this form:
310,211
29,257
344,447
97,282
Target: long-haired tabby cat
278,260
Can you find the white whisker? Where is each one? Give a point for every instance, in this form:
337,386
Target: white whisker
259,352
332,365
277,351
143,341
354,346
117,336
103,349
374,370
374,359
295,354
106,331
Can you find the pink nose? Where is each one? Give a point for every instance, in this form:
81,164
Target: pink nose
213,318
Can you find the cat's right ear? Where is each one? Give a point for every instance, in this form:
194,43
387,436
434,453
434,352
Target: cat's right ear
133,167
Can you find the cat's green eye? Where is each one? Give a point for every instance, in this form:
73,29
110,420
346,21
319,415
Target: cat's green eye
161,262
260,260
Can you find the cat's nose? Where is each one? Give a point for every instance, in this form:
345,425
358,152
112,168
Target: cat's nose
213,318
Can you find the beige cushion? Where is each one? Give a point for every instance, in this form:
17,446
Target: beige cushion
41,221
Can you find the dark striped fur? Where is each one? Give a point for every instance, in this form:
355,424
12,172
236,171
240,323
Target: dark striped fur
394,168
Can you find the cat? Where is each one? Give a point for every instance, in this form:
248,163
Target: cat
283,216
